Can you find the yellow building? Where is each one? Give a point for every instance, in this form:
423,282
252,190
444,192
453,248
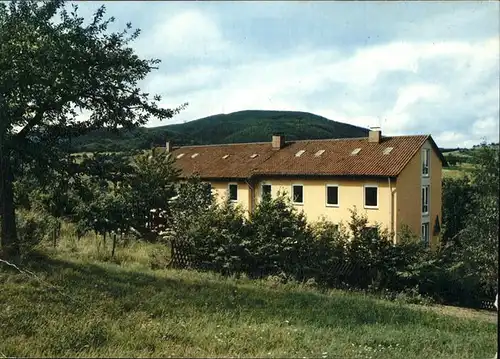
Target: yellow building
395,181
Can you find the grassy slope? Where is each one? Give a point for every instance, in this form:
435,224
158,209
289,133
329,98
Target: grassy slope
243,126
103,309
457,171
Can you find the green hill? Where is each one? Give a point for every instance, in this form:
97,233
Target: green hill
236,127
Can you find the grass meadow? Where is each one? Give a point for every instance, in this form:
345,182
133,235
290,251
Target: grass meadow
79,303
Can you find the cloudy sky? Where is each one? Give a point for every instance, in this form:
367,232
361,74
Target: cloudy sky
409,67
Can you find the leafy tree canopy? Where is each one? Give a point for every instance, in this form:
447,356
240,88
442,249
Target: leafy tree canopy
51,70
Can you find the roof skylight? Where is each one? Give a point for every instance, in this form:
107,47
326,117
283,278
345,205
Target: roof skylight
298,154
388,150
319,153
225,156
254,155
355,151
180,155
194,155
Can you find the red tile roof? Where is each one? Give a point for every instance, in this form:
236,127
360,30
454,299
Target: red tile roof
336,160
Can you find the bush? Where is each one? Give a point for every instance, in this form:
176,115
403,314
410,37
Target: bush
281,240
33,226
276,242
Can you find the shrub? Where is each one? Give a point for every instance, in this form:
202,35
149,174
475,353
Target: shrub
281,240
277,242
33,226
218,239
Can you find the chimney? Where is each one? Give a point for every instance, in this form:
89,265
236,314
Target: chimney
168,146
375,135
278,141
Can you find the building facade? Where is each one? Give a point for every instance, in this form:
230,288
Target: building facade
395,181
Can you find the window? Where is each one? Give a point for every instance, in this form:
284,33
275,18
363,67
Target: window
425,199
425,233
298,194
266,190
425,162
371,197
332,195
233,192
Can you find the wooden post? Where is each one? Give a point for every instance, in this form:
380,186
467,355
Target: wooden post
114,245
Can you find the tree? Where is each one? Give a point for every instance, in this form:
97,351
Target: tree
479,239
150,191
49,72
457,206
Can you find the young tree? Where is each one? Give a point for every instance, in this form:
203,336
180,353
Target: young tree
479,239
49,71
150,190
457,206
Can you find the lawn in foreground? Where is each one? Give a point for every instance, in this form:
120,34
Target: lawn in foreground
99,309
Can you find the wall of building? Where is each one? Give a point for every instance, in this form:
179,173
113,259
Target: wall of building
436,179
350,194
220,190
401,198
409,194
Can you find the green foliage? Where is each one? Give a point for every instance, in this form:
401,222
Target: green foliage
193,198
33,226
118,201
458,204
49,72
237,127
479,239
280,238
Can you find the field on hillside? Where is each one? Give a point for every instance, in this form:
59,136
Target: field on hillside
79,305
457,171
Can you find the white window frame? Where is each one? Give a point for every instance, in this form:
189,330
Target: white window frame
262,189
364,196
293,200
423,227
229,191
326,196
426,160
425,199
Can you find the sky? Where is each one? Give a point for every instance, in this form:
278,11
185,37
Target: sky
408,67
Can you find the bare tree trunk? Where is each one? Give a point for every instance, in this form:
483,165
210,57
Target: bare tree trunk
9,240
114,245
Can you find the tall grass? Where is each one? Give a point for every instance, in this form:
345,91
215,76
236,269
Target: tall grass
83,304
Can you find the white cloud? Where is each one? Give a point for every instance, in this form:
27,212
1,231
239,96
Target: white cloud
450,139
446,86
485,127
346,84
188,34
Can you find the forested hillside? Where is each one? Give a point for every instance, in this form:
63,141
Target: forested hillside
236,127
